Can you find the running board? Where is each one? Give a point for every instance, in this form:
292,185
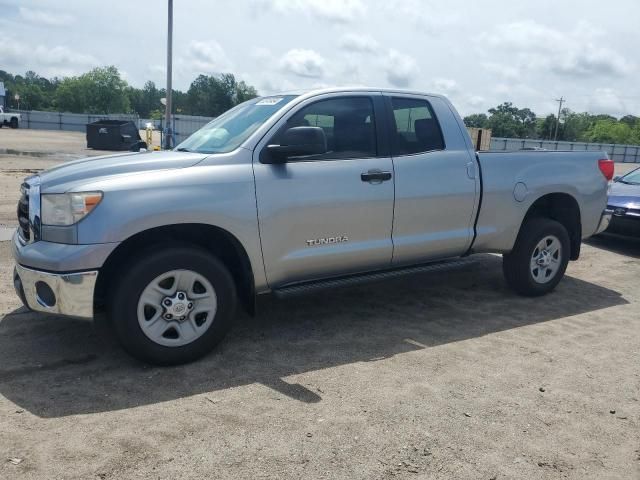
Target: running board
310,287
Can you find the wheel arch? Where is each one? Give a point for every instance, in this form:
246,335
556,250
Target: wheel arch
217,241
563,208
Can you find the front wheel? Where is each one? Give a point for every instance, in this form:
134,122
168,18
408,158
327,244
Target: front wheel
173,306
539,258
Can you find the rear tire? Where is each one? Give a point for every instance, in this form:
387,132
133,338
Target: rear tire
201,298
13,123
539,258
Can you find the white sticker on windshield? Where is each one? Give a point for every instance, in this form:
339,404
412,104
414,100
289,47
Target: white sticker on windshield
270,101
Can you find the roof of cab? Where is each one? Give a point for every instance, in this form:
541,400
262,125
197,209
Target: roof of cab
319,91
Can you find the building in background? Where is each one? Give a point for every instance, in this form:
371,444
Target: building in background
3,93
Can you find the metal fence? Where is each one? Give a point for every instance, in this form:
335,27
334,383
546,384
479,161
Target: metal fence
182,125
74,122
185,125
618,153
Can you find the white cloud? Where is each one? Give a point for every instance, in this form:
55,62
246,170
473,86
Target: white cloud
445,86
261,54
400,68
606,100
354,42
331,10
46,17
577,51
508,72
304,63
425,17
207,57
51,60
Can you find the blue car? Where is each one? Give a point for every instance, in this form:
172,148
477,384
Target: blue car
624,202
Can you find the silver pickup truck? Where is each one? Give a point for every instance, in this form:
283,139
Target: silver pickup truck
287,194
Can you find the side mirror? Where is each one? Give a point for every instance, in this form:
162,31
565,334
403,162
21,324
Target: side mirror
296,142
617,178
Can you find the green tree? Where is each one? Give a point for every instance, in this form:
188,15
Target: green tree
476,120
610,131
507,120
211,96
630,120
144,100
99,91
102,90
545,128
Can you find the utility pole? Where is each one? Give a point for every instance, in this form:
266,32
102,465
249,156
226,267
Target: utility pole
167,113
560,100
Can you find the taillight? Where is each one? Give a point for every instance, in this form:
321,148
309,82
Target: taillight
606,166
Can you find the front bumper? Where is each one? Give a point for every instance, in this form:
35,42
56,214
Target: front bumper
625,225
69,294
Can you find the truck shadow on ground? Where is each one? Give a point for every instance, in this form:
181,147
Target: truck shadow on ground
54,367
629,246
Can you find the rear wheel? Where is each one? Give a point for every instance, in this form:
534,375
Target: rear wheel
539,258
13,123
173,306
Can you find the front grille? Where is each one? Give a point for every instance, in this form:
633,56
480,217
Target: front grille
23,213
624,211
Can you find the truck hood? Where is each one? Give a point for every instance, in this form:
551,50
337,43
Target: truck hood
63,177
624,195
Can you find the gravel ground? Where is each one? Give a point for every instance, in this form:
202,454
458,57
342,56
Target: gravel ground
434,376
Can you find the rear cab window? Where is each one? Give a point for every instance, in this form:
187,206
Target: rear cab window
415,128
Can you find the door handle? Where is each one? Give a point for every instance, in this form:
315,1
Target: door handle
471,170
375,176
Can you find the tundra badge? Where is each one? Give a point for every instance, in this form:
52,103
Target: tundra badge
327,240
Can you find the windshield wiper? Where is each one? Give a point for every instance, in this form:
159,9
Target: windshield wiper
182,149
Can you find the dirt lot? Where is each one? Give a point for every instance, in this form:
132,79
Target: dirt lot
433,376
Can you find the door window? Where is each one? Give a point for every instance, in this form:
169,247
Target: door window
348,124
416,127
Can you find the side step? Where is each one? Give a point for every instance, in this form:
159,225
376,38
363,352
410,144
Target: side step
310,287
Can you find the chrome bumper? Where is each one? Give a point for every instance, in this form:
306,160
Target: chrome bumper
605,220
68,294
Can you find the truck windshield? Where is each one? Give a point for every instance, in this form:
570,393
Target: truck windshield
227,132
632,178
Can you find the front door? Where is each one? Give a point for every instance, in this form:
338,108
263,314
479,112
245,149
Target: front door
329,214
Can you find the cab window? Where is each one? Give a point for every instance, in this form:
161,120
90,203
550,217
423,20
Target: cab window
415,128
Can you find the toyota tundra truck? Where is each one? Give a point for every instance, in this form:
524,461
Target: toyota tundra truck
287,194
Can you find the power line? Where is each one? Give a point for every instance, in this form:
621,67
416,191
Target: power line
560,100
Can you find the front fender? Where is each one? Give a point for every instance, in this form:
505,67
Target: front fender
217,195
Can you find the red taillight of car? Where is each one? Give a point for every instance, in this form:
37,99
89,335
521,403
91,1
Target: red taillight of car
606,166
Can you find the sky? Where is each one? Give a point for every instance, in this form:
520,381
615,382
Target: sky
478,53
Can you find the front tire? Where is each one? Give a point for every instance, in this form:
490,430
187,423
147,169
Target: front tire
173,306
539,258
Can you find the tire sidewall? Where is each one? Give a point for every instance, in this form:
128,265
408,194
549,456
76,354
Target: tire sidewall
517,263
124,304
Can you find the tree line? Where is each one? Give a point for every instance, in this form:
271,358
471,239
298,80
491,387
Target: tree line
509,121
103,90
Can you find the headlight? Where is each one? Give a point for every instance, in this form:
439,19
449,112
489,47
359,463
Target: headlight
68,208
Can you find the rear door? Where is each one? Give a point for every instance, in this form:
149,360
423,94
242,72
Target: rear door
435,179
328,214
